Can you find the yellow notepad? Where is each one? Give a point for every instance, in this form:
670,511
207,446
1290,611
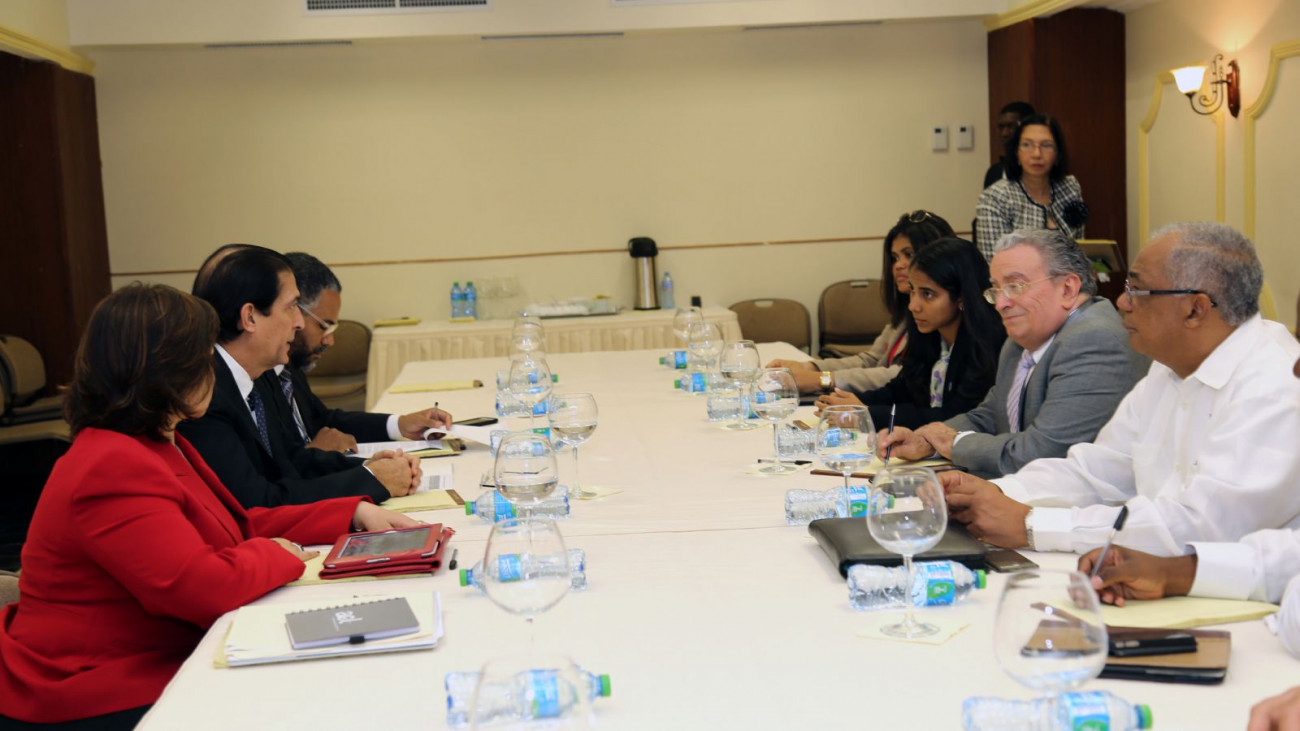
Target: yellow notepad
428,500
1181,612
397,321
437,386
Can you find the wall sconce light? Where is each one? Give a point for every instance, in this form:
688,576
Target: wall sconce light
1223,86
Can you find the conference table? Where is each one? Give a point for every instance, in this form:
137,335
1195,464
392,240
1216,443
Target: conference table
707,611
393,347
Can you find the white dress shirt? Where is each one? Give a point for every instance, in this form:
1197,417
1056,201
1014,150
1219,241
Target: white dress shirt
1208,458
243,381
1264,566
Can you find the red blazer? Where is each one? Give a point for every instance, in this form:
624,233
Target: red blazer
133,553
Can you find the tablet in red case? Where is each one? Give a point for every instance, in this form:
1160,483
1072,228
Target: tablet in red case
398,551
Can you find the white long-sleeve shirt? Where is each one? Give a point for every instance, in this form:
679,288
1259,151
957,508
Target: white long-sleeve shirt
1264,566
1212,457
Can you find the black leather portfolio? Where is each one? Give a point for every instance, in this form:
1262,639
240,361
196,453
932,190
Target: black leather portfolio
847,541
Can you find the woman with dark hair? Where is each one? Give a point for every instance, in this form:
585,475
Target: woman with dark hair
878,364
954,337
1038,190
136,548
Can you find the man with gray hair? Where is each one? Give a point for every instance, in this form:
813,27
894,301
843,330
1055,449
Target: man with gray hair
1201,450
1063,369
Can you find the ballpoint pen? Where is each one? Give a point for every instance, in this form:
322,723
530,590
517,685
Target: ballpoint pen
1119,525
890,450
455,552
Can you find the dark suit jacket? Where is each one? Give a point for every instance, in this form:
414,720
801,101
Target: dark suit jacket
134,551
963,389
227,438
1071,394
364,427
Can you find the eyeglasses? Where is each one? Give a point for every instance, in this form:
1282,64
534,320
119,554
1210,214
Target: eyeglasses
919,216
1013,290
1044,147
327,328
1128,290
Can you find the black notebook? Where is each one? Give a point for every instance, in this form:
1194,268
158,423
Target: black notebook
847,541
354,623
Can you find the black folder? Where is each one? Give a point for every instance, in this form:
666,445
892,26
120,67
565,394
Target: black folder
847,541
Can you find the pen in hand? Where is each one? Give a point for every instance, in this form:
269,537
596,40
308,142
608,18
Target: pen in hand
890,449
1119,525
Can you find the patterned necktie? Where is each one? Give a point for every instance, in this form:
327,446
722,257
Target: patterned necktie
286,385
259,418
1017,389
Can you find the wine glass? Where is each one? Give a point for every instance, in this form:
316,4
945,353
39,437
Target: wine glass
527,335
526,567
776,397
526,470
846,439
685,318
704,342
1049,635
530,382
906,514
525,691
573,419
739,364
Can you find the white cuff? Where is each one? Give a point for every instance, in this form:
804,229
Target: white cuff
957,437
1228,571
1052,529
394,432
1012,487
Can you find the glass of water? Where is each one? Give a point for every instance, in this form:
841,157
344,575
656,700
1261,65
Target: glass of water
846,439
573,420
685,318
739,363
906,514
525,470
530,383
704,343
776,397
1049,635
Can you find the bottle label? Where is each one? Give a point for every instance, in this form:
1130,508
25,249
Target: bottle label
509,567
858,501
505,510
831,437
697,382
678,359
1086,711
545,693
940,586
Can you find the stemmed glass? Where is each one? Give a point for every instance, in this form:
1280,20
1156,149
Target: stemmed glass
906,514
739,364
846,439
573,419
530,382
1049,635
704,342
528,335
685,318
776,397
526,567
526,470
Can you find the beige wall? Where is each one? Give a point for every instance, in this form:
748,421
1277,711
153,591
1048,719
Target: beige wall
410,150
44,20
1183,145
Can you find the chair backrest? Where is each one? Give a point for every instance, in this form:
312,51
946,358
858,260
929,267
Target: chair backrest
851,312
8,587
775,320
24,366
350,354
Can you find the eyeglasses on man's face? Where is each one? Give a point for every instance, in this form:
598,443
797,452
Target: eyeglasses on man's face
1134,293
327,328
1013,290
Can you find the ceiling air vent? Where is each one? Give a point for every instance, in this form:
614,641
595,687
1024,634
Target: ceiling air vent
368,7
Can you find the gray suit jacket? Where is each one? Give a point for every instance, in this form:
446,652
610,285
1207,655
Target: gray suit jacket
1072,392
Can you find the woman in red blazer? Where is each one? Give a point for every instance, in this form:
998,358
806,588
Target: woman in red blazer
136,548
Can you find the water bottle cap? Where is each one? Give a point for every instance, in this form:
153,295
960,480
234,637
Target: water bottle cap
469,508
981,578
677,383
469,283
604,688
1144,715
464,577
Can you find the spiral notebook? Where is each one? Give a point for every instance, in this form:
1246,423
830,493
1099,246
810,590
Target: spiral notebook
350,623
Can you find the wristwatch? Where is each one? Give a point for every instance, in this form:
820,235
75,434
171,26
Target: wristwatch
1029,530
827,382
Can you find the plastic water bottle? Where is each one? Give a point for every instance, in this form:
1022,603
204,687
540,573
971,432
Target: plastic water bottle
457,301
697,383
528,696
493,507
677,360
804,506
1067,711
666,293
577,571
471,301
937,583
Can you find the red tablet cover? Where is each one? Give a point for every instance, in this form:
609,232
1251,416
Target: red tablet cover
408,562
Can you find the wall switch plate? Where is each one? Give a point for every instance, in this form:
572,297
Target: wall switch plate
965,137
939,138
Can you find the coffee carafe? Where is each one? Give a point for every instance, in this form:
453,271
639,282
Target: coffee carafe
644,251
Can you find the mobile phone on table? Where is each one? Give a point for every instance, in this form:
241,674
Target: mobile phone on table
477,421
1005,560
1151,642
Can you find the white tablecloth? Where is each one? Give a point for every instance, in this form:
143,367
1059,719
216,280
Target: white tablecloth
707,611
393,347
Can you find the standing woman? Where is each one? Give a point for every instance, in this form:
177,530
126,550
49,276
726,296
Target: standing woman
954,337
878,364
136,548
1038,191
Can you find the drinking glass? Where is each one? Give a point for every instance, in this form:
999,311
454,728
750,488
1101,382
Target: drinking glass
739,364
685,318
704,342
526,470
846,439
906,514
1049,635
528,335
573,419
526,567
776,397
555,691
530,382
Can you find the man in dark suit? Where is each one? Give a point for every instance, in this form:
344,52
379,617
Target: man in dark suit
320,299
1063,370
256,299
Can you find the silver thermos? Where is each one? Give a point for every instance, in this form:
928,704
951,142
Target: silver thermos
644,251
